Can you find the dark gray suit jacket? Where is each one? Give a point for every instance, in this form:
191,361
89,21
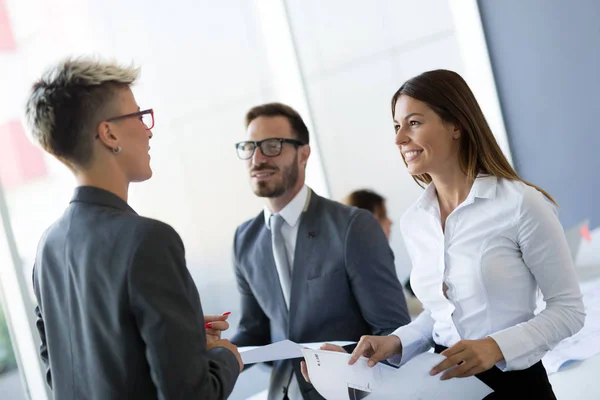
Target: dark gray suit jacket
118,312
344,284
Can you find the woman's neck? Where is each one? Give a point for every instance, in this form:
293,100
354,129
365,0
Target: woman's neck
108,179
452,189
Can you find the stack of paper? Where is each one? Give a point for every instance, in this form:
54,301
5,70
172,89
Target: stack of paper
585,343
334,379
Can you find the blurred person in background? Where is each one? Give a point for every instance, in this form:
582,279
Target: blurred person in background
308,269
376,204
373,202
118,313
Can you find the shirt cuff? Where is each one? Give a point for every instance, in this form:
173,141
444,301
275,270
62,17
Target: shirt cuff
516,349
413,343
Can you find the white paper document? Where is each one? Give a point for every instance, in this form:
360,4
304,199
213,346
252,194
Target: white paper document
334,379
585,343
284,350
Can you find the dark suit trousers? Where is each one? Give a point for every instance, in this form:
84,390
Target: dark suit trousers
531,383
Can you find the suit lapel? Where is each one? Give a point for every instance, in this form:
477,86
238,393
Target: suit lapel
304,254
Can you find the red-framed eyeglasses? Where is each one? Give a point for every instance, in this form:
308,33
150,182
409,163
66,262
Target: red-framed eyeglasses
146,117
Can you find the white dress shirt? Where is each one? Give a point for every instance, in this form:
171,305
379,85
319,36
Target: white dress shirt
289,230
499,245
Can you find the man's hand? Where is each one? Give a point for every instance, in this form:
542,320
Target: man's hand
215,324
376,348
229,346
326,346
469,357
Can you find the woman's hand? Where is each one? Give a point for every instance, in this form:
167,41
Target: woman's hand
229,346
376,348
215,324
468,357
326,346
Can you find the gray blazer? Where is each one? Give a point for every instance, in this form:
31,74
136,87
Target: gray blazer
119,315
344,284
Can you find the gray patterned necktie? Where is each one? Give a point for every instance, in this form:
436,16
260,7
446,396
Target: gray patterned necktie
280,256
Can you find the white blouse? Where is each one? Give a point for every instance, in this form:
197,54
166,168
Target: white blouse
499,245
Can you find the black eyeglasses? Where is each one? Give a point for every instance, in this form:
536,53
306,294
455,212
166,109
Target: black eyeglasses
269,147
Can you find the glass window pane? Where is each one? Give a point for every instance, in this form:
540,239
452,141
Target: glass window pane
11,385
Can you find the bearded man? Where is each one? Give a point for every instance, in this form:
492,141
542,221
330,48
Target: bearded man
308,269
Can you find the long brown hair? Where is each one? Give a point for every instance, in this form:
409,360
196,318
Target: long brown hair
449,96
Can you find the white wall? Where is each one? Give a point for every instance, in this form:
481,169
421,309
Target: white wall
355,55
203,66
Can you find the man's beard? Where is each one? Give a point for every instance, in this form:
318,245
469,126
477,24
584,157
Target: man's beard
289,178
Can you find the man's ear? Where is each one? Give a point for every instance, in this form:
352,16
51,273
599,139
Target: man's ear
304,154
106,135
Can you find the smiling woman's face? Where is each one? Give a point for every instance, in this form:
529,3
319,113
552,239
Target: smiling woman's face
428,145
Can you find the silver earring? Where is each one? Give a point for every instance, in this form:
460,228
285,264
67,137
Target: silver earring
117,150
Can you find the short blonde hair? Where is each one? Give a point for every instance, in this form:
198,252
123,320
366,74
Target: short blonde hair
66,105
